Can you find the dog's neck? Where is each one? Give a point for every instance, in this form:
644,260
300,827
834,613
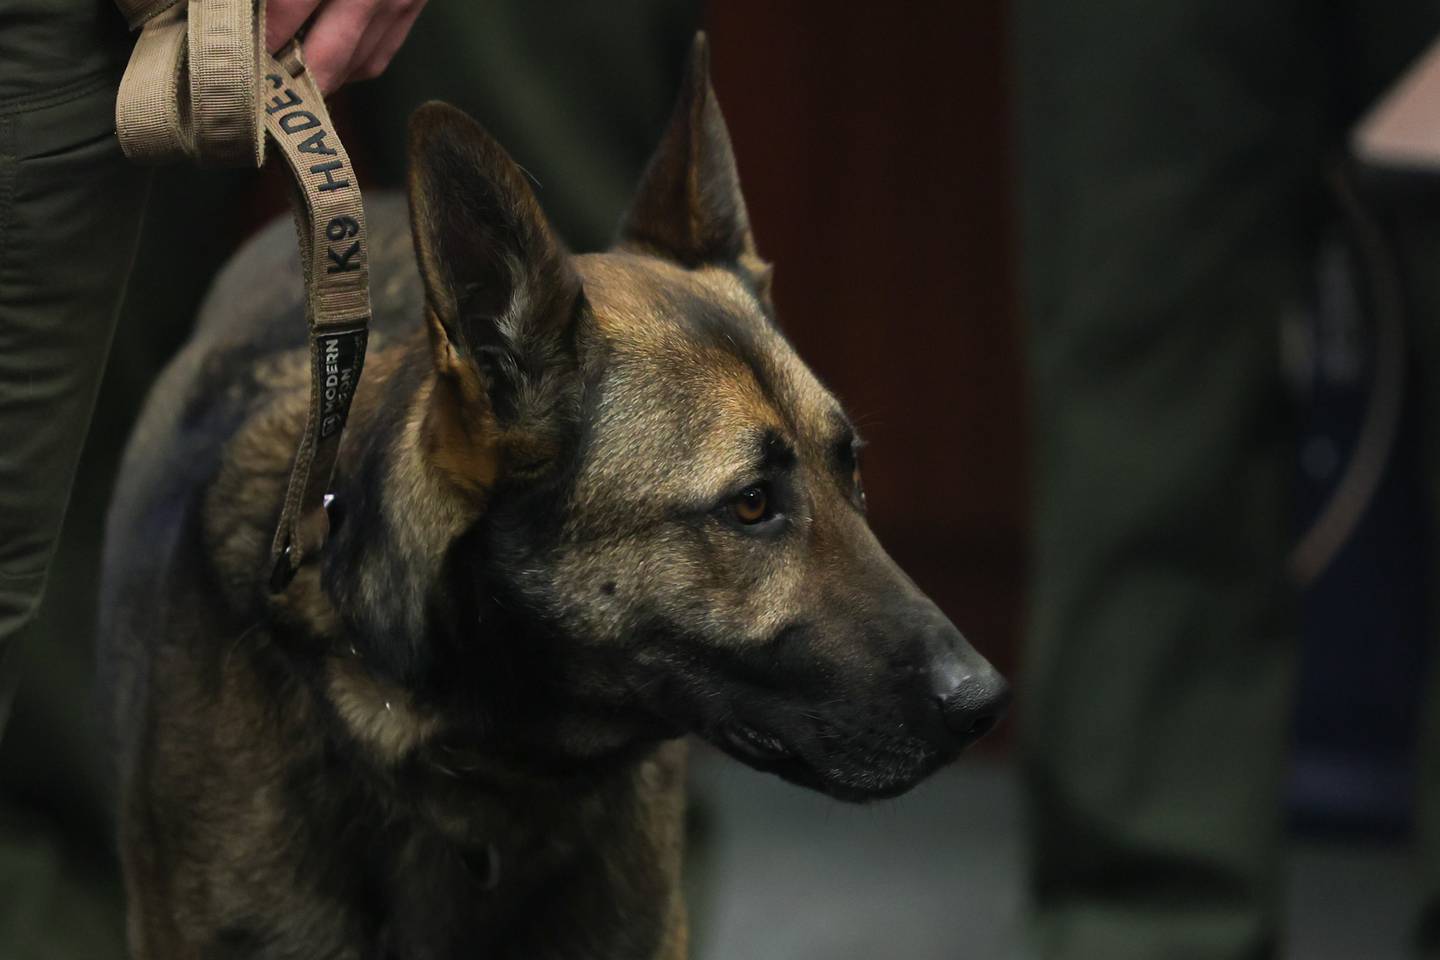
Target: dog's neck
510,789
394,632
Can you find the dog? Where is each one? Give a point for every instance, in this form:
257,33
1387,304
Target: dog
586,504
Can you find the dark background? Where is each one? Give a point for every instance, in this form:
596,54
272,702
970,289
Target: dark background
875,153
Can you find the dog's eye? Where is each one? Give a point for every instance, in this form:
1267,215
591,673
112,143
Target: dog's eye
859,487
752,505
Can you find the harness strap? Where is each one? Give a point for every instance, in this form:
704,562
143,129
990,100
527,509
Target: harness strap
200,86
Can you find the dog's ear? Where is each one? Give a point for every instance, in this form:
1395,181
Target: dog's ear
688,207
500,290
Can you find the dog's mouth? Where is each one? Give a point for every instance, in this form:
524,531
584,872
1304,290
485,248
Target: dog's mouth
768,753
754,746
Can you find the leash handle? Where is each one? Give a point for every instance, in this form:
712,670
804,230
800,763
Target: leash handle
191,88
201,86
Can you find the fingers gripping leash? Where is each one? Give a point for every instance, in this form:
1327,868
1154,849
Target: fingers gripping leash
200,86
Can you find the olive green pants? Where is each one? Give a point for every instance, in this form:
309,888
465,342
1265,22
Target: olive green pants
1173,156
70,210
69,218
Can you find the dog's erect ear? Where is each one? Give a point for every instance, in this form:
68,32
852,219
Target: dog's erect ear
500,288
688,206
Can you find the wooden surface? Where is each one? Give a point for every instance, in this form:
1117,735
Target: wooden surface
875,154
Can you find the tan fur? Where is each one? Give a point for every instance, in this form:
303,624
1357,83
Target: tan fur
379,714
460,436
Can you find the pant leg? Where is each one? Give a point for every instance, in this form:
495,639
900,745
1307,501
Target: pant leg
69,214
1170,153
1427,766
1416,235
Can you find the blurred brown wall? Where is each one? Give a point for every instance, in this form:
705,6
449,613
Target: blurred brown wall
874,149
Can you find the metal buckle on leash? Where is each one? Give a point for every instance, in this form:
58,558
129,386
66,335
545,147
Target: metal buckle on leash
288,564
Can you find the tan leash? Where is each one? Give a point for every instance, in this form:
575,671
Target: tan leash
200,86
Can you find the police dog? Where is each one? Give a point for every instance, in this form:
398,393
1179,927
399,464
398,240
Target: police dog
586,504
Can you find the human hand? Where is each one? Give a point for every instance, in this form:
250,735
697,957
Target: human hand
348,40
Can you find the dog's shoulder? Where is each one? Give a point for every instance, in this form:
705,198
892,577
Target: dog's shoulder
228,411
247,352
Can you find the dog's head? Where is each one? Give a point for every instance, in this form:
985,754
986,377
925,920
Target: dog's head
673,514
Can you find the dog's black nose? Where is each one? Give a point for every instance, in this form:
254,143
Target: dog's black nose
972,702
967,697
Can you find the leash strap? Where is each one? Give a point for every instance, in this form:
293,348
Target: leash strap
200,86
330,224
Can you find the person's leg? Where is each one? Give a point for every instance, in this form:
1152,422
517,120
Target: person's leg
1169,154
1415,240
69,216
1415,233
70,208
1427,764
